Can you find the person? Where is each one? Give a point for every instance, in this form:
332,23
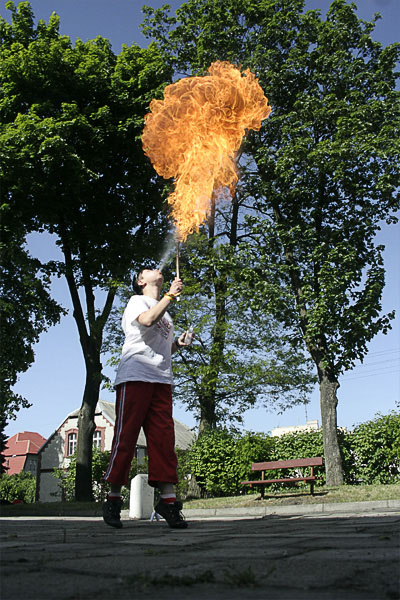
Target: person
144,397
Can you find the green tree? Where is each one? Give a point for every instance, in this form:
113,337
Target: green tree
20,486
26,311
3,444
74,167
323,173
239,357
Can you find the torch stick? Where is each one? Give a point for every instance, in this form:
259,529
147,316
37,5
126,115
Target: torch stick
177,265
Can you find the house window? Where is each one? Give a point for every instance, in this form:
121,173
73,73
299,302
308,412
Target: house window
71,443
97,439
31,466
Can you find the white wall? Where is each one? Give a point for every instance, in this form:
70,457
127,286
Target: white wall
53,456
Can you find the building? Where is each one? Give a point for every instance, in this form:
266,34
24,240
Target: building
56,452
21,452
310,425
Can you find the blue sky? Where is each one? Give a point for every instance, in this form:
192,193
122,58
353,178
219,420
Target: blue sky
54,384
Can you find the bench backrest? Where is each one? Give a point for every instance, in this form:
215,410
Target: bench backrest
316,461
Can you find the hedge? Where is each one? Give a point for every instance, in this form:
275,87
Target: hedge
220,460
20,486
376,449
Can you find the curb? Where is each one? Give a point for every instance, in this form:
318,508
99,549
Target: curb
295,509
340,508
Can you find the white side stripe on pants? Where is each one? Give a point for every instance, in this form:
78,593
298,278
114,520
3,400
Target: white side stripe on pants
118,428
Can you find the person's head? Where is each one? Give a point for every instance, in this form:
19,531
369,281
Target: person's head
147,276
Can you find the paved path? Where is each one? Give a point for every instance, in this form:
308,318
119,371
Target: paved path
349,554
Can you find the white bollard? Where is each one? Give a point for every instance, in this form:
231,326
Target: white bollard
141,499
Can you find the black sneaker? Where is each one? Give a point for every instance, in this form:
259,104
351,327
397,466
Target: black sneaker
172,514
112,513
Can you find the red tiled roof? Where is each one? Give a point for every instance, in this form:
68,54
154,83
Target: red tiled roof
18,447
20,444
15,464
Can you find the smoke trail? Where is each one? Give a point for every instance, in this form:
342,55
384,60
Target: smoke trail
169,251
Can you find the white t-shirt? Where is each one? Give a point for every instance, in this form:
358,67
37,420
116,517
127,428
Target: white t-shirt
146,353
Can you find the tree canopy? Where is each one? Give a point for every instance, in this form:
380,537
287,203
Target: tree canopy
240,357
316,181
26,311
321,174
73,165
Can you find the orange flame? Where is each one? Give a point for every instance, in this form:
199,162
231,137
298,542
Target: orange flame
193,134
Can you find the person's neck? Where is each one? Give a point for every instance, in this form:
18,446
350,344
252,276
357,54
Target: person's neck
152,291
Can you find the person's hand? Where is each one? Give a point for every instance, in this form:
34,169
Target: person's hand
176,287
185,339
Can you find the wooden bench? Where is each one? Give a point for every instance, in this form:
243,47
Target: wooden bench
316,461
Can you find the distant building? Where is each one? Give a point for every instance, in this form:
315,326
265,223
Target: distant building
21,452
56,452
310,425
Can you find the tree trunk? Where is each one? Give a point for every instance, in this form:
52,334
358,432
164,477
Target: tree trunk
86,428
90,339
208,388
208,419
194,490
3,444
328,383
328,402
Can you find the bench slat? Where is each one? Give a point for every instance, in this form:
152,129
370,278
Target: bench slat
265,481
315,461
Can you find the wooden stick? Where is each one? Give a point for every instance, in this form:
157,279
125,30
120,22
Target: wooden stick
177,259
177,266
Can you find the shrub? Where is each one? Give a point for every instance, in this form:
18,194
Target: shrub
302,444
66,476
20,486
251,447
220,460
100,487
184,472
376,448
210,461
299,444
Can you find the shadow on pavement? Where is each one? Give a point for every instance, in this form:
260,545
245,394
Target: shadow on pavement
276,557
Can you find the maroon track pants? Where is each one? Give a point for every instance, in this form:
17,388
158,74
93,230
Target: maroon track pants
148,405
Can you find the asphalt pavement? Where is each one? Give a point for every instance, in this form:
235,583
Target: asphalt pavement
326,552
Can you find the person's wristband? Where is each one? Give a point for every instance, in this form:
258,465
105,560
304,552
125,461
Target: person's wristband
170,296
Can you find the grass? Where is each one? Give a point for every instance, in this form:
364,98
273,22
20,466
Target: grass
52,509
323,494
232,578
246,578
144,580
292,495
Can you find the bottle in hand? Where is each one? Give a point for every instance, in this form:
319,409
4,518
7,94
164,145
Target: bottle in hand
188,336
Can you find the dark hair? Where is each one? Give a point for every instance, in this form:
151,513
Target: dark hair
135,281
